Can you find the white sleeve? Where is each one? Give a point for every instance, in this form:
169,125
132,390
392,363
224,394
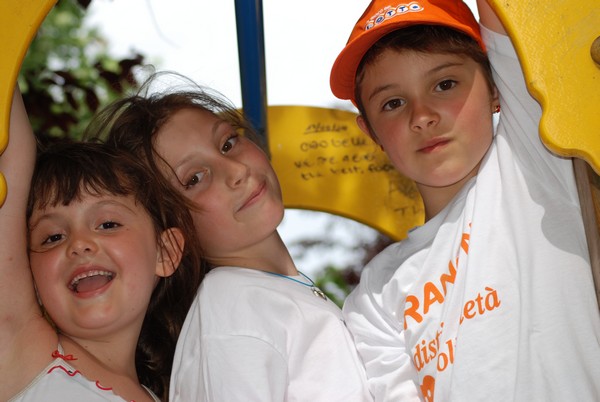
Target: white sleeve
520,118
244,369
381,345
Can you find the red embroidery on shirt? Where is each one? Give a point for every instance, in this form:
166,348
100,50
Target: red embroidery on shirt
101,387
56,354
69,372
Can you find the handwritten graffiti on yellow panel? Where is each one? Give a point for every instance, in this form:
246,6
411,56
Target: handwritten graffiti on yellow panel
325,163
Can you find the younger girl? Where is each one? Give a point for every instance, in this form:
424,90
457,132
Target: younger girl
105,243
259,329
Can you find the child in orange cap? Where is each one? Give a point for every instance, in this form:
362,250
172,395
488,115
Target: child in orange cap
492,298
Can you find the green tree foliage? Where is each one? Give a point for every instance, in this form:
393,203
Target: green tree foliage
68,73
337,283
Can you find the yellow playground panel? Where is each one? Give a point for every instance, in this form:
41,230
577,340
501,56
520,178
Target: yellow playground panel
19,21
543,33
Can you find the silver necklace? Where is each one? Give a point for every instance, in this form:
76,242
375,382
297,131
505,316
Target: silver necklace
316,291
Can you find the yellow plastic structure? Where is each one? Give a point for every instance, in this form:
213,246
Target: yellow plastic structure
558,43
19,21
325,163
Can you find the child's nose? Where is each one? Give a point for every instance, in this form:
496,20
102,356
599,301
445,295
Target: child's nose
423,116
81,245
237,173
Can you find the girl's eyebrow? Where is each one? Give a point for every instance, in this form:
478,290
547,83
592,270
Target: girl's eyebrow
113,202
99,204
218,124
32,224
189,157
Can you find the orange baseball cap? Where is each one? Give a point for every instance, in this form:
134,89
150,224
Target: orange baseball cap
384,16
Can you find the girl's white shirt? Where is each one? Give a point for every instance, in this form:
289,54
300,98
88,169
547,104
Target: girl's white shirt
252,336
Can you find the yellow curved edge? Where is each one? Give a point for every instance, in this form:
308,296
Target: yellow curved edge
553,40
325,163
19,21
2,189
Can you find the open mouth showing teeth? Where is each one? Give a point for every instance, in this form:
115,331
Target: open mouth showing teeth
90,281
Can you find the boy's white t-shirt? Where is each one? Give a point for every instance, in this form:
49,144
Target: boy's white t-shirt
493,298
252,336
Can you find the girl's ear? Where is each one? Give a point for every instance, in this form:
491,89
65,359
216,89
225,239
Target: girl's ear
170,252
364,127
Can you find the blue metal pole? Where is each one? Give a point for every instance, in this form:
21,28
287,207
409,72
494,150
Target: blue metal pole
251,52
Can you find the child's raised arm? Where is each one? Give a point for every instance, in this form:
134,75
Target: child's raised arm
20,315
16,163
488,17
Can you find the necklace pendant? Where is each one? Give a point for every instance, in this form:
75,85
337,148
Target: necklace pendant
318,292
